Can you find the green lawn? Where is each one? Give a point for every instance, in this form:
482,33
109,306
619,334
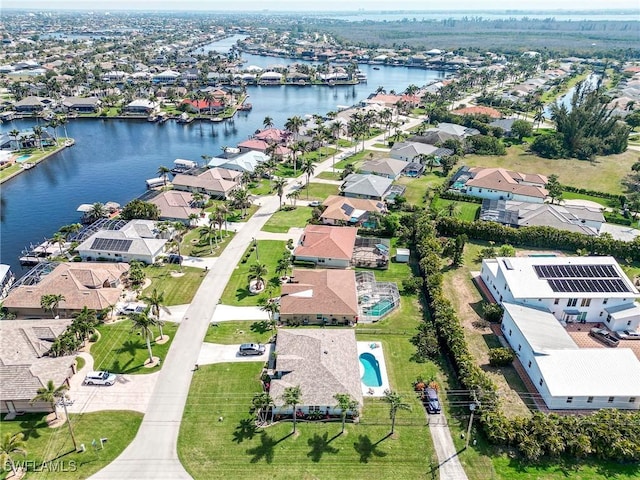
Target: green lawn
260,187
120,350
329,175
464,210
609,171
417,187
237,289
241,331
194,244
319,191
178,290
605,202
231,448
54,445
360,157
283,220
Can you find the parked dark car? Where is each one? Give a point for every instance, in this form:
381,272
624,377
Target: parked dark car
430,399
604,336
173,258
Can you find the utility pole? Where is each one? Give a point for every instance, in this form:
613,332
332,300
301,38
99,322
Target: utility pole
472,407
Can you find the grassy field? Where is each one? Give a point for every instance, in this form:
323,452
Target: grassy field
178,290
361,156
604,173
54,445
237,290
318,191
283,220
246,331
234,215
468,211
328,175
121,350
260,187
417,187
194,244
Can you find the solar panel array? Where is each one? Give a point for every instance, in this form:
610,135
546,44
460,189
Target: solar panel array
582,278
111,244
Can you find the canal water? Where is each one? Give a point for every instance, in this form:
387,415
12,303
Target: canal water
112,158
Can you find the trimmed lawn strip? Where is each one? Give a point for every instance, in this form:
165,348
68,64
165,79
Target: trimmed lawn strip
261,187
283,220
360,157
44,444
318,191
177,290
237,289
416,188
467,211
608,170
121,350
239,331
328,175
195,244
605,202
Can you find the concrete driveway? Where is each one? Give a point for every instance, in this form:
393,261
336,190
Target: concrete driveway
225,313
217,353
130,392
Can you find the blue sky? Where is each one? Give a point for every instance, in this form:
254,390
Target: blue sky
257,5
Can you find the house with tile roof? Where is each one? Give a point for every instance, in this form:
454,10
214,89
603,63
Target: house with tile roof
478,110
175,205
326,246
97,286
319,297
500,184
25,366
341,210
243,162
216,182
322,362
411,151
385,167
138,240
373,187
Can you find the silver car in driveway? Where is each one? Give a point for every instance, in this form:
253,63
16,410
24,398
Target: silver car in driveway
628,335
251,349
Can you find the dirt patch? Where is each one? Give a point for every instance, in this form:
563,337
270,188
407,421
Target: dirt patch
175,275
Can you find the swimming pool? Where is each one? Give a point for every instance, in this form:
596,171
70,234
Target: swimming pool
381,308
23,158
371,376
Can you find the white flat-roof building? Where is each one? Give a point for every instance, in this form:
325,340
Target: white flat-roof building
566,376
572,289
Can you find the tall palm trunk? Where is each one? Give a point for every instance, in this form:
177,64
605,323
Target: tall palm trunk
149,348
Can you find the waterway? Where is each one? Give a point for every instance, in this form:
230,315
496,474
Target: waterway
112,158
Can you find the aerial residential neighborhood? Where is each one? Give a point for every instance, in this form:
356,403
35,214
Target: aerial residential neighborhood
319,245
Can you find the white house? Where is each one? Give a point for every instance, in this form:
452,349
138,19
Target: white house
572,289
566,376
501,184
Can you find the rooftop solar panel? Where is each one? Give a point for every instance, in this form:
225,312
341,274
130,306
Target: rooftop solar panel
111,244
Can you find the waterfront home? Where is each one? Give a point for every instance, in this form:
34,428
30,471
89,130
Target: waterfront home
274,135
319,297
322,362
168,77
31,104
81,104
270,78
25,366
203,106
385,167
140,106
566,376
373,187
216,182
243,162
138,240
25,139
478,110
573,218
500,184
262,146
6,279
341,210
326,246
175,206
97,286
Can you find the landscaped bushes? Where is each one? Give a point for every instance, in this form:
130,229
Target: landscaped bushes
500,357
539,237
606,434
593,193
459,197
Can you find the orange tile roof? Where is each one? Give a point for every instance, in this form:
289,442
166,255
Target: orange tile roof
492,112
329,292
322,241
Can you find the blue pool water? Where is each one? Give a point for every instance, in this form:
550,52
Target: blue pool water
371,377
22,158
381,308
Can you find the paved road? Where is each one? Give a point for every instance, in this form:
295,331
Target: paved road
449,465
153,453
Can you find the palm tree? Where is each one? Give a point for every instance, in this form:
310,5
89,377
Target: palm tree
308,167
241,199
396,403
272,308
50,394
67,230
156,301
179,229
293,124
293,195
292,396
37,133
258,271
15,133
345,403
9,446
164,173
142,322
51,302
218,217
335,128
58,238
210,232
97,211
84,323
267,122
278,185
262,402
